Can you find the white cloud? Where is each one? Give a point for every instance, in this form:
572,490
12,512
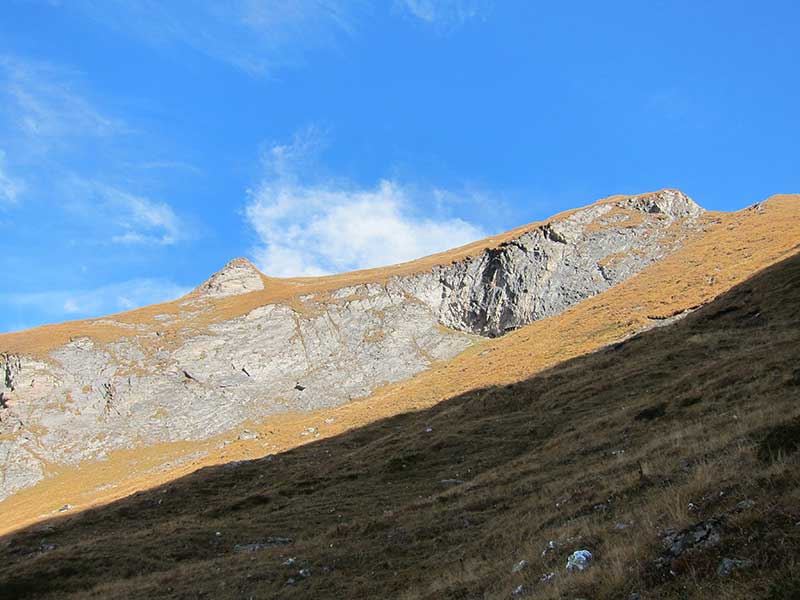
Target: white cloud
48,120
44,104
446,13
256,36
127,218
57,305
316,229
10,187
143,220
121,217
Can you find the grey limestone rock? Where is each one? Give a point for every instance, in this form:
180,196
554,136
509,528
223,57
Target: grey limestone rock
237,277
549,268
727,566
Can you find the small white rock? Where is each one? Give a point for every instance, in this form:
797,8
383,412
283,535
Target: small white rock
521,565
579,561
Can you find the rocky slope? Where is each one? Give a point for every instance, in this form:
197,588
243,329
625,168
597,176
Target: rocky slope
243,346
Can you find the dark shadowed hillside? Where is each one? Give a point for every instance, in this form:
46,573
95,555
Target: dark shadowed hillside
663,455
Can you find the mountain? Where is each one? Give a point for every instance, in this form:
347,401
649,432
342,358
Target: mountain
243,347
653,423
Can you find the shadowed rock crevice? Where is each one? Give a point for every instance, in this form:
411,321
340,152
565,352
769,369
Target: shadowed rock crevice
552,267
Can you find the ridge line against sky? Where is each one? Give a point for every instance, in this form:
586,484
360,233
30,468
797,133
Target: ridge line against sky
143,144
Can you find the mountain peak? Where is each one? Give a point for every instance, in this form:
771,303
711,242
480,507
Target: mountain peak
239,276
670,202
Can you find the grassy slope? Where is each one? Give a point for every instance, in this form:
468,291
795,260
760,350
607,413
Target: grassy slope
734,247
442,502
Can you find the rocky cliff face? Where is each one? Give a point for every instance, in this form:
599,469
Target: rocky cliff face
87,398
550,268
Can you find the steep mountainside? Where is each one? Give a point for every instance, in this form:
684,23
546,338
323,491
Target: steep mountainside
671,456
243,346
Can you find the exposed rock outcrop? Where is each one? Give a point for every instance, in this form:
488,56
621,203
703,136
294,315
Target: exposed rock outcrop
319,349
551,267
239,276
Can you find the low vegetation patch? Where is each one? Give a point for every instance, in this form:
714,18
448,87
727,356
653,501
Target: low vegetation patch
781,440
652,412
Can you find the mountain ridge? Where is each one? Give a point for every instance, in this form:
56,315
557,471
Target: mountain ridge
766,209
284,289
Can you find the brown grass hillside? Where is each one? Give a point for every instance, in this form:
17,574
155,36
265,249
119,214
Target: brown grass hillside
734,247
662,455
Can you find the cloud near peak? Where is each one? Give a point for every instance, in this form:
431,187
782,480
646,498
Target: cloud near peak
310,231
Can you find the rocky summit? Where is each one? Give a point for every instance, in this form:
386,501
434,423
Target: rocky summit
203,365
237,277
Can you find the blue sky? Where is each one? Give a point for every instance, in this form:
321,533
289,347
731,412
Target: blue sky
143,144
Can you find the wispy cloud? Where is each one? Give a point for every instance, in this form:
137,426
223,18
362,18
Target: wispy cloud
315,229
61,152
10,187
256,36
82,303
261,37
126,218
48,117
143,220
446,13
43,103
